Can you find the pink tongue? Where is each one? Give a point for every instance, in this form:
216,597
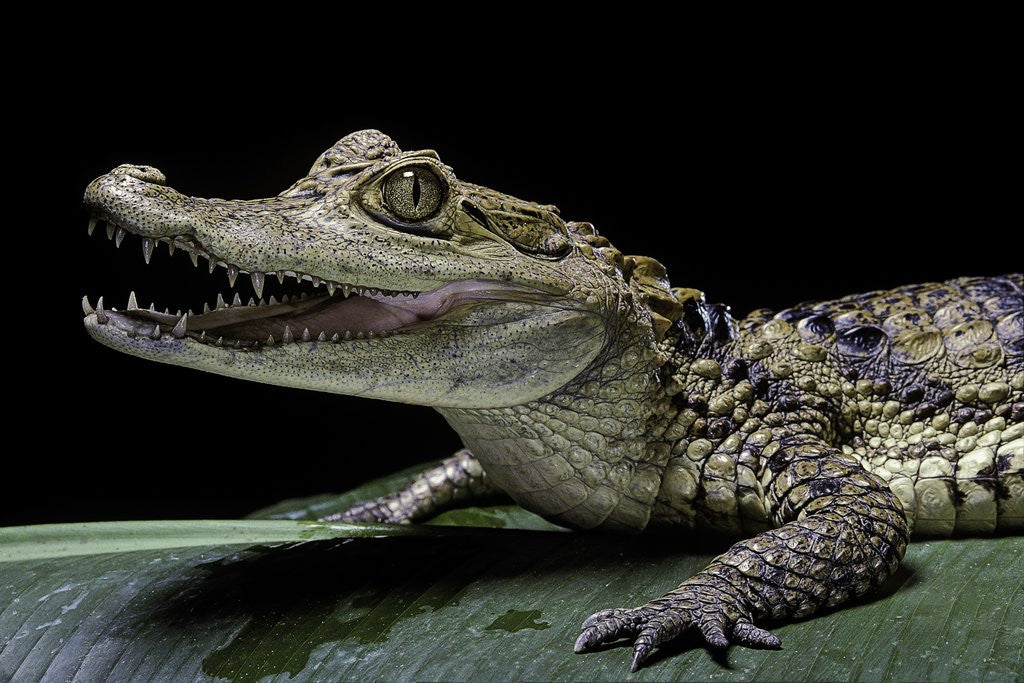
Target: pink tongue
364,314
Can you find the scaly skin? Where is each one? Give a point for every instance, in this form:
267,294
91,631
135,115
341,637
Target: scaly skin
596,395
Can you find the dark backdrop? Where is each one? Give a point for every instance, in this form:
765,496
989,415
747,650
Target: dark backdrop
763,177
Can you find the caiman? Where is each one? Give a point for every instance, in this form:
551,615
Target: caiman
594,393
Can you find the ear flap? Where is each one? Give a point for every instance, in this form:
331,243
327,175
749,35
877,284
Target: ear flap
361,147
529,227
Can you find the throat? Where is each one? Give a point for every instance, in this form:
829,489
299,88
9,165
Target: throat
583,457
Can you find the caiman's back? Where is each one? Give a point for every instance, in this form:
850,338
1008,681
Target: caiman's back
926,385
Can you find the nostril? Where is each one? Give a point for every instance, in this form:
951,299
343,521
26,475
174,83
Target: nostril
145,173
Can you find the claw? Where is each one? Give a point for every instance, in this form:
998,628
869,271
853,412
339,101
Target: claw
640,654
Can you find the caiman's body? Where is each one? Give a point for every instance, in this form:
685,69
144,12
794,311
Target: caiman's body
596,395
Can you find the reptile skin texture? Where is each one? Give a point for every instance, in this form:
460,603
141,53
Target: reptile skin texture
587,388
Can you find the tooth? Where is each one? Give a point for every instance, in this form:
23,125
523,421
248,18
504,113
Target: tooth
257,283
170,247
152,308
348,334
178,313
238,344
167,311
252,302
191,314
345,290
110,231
280,276
133,305
101,315
322,337
119,237
415,294
92,225
285,299
206,308
305,334
232,275
334,337
359,335
331,286
237,301
86,306
270,340
272,301
220,341
287,336
213,263
194,257
181,328
316,281
202,335
155,334
220,301
147,248
304,276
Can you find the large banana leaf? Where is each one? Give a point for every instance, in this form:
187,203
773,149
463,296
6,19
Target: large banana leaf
290,600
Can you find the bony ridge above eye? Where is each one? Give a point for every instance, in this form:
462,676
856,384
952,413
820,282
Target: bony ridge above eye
413,193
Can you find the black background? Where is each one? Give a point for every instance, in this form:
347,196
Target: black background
763,172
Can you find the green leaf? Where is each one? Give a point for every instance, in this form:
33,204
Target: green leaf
240,601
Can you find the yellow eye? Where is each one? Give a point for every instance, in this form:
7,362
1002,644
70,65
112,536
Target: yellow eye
413,193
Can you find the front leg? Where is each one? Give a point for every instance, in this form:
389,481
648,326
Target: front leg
459,481
841,532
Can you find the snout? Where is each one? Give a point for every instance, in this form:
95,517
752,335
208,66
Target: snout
137,198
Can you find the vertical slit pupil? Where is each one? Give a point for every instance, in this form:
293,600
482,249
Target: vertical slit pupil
416,192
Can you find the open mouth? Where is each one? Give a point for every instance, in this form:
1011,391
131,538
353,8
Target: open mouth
330,312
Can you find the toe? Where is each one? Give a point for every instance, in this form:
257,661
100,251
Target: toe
748,635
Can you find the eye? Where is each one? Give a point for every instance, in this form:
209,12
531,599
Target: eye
413,193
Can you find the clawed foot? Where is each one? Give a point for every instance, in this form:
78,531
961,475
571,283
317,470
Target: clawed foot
718,620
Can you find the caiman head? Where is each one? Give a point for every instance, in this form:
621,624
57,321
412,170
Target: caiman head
406,284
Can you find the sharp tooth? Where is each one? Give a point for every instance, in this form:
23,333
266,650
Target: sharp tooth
287,336
232,275
359,335
334,337
152,308
257,284
252,302
206,308
155,334
220,341
110,231
181,328
316,281
415,294
237,301
86,306
170,247
194,257
213,263
220,301
331,286
191,314
305,334
285,299
119,237
322,337
101,315
280,276
202,335
270,340
167,311
345,290
147,248
348,334
238,343
92,225
178,313
272,301
133,305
